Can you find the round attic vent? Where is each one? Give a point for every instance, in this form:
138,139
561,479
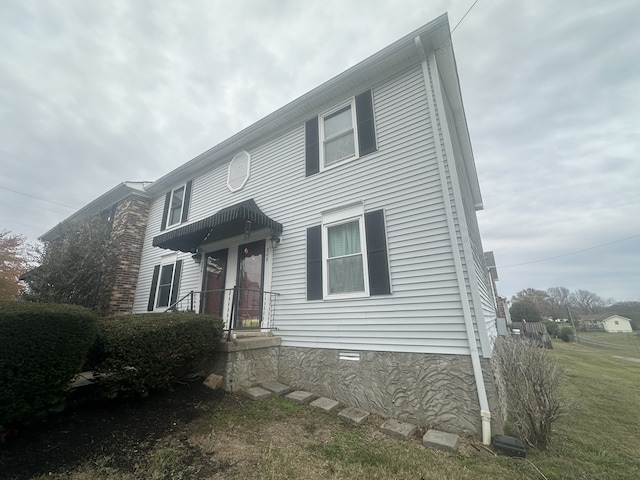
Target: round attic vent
239,169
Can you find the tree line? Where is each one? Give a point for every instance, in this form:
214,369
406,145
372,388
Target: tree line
558,302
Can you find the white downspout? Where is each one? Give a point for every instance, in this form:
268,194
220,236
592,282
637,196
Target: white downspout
485,413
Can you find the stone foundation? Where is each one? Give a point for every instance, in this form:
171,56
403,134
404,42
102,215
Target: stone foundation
247,362
437,391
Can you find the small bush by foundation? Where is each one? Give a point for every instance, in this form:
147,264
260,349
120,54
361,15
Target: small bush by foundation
42,347
138,353
529,382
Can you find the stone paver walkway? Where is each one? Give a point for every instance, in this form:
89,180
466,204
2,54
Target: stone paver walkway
395,428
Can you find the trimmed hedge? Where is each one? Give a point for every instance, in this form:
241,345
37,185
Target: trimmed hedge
42,347
138,353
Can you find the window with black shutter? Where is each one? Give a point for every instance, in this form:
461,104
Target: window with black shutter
347,255
341,134
165,284
176,206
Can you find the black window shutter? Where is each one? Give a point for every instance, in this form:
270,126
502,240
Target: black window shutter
176,282
154,285
366,126
312,146
314,263
165,212
377,260
187,201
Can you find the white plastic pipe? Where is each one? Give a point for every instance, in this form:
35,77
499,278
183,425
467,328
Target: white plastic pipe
485,413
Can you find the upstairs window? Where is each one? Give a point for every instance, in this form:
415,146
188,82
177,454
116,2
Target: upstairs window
344,133
175,209
337,133
176,206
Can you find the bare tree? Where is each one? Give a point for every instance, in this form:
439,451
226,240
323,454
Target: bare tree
586,301
558,299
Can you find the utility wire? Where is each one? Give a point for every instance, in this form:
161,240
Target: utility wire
37,198
463,17
571,253
459,22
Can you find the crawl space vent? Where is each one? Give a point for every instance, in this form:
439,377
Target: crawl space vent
353,356
239,169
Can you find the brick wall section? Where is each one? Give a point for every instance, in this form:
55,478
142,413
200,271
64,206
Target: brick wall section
127,237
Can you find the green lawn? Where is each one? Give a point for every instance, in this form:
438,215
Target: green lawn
275,439
630,341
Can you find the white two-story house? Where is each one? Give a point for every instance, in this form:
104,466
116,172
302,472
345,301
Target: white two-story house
345,224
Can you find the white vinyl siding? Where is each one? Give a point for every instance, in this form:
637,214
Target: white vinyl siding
482,291
424,312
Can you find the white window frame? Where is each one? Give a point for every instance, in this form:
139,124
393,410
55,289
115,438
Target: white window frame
184,191
164,262
331,219
351,102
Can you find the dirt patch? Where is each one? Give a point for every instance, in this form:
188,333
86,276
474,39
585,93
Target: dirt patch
123,436
193,433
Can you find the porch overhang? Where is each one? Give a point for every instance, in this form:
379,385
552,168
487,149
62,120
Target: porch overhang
228,222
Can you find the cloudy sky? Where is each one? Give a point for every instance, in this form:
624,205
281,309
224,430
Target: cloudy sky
94,93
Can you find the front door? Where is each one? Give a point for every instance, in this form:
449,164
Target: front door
250,284
214,276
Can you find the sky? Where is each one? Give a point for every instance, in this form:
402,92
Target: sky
96,93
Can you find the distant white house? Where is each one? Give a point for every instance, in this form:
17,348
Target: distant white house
617,324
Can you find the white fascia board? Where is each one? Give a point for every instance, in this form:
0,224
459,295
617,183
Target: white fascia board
450,82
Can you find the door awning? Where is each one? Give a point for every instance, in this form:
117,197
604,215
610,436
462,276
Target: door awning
228,222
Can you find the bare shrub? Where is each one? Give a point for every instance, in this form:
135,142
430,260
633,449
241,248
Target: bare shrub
529,383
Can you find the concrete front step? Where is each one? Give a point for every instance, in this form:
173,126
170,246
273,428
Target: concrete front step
250,333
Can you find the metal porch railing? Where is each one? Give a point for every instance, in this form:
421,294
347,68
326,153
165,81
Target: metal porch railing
240,308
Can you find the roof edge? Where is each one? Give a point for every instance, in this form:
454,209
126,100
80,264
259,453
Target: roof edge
104,201
433,35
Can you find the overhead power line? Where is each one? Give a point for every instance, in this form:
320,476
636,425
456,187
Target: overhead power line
457,24
38,198
463,17
571,253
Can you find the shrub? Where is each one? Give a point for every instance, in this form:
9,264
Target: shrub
529,381
42,347
138,353
566,333
552,327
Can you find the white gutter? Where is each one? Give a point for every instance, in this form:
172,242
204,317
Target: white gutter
485,413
